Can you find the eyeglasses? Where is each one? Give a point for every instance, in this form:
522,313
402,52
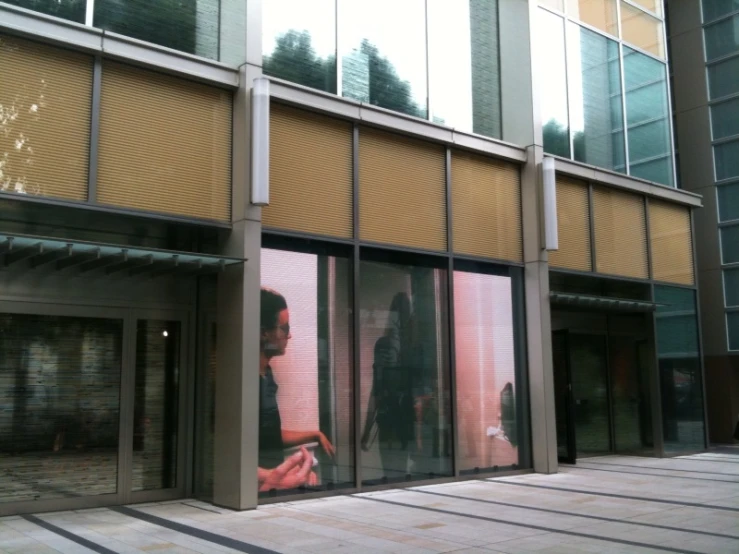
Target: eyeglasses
285,328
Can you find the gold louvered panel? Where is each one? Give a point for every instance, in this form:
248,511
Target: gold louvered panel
402,191
165,144
486,207
573,224
310,174
671,244
45,107
620,233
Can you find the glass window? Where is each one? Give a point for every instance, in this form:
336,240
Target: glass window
601,14
60,380
554,113
595,82
731,287
679,369
726,156
647,113
299,42
730,244
732,323
190,26
306,433
405,410
73,10
383,59
642,30
651,5
728,202
713,9
725,119
555,4
488,393
464,74
722,38
723,78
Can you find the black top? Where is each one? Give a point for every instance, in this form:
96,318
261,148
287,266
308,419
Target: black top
270,424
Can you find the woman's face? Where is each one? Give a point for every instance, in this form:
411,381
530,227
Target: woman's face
275,340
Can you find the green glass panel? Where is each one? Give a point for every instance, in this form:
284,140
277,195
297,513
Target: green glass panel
73,10
554,112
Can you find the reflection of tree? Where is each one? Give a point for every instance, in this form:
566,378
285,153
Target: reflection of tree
73,10
557,140
295,60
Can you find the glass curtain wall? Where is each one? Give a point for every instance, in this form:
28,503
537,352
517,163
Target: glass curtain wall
404,62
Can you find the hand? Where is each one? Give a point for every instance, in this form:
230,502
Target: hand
365,446
326,444
290,474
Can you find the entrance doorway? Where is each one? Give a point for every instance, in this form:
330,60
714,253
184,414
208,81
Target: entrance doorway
602,378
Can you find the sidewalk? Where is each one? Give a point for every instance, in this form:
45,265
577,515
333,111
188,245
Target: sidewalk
605,504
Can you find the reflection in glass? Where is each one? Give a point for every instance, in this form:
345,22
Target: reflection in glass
73,10
156,403
299,42
726,157
405,394
205,419
464,75
553,72
728,202
601,14
60,396
713,9
554,4
732,322
595,98
679,369
486,372
725,119
306,438
647,118
722,38
588,359
642,30
730,244
723,78
382,58
731,287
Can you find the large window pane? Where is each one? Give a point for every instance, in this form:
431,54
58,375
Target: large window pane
551,51
299,42
156,404
601,14
730,244
405,394
190,26
73,10
725,119
306,438
60,396
464,73
732,322
647,113
713,9
728,202
723,78
488,393
642,30
731,287
680,369
726,157
652,5
595,98
722,38
382,49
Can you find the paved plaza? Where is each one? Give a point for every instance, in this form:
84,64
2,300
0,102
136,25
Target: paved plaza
606,504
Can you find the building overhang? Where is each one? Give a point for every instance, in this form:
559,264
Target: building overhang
603,303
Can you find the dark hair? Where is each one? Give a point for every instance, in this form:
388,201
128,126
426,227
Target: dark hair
272,303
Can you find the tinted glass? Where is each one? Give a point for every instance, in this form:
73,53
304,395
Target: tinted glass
551,50
404,372
306,432
731,287
722,38
732,323
728,202
73,10
299,42
725,119
600,14
383,59
730,244
642,30
726,157
723,78
595,84
679,369
647,113
464,74
60,380
205,419
713,9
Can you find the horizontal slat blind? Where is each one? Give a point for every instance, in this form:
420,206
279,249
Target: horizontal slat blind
671,244
402,191
310,174
486,207
620,233
45,110
573,224
165,144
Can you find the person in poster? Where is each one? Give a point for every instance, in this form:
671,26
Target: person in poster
275,471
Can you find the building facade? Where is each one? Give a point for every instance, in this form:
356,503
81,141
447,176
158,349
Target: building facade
263,249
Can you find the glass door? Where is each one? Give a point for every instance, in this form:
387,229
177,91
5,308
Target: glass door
566,446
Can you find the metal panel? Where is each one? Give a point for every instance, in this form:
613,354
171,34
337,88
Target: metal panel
671,243
573,224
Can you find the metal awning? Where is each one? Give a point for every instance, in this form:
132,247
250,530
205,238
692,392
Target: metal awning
601,302
56,254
